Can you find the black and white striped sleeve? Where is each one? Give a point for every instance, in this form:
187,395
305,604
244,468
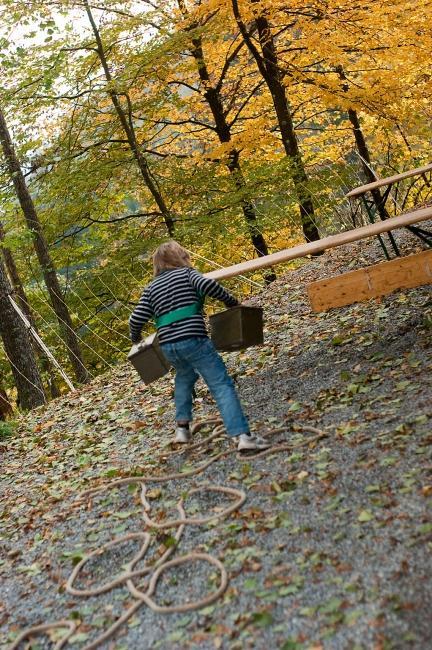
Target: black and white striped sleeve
211,288
142,313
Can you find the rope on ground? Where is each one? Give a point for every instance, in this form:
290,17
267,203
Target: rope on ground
71,626
153,571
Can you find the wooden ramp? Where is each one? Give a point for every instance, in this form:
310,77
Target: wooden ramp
371,282
323,244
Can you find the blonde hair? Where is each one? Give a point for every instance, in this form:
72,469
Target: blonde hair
170,256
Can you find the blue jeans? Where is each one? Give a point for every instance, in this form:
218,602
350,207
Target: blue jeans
197,356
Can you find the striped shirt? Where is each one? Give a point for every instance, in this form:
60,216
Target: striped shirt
173,289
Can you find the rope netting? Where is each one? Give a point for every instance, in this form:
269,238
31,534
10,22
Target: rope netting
100,325
129,575
47,327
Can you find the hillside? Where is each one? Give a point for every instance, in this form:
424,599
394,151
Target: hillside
332,546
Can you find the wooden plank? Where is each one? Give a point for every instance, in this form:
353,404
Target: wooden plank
322,244
372,282
358,191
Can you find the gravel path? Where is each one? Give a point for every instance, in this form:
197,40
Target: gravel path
331,549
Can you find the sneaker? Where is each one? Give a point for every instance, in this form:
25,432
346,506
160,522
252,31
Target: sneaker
249,441
182,434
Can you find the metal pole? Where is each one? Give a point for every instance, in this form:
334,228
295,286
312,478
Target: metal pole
370,211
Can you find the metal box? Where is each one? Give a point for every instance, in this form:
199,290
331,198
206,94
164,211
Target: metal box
148,359
237,328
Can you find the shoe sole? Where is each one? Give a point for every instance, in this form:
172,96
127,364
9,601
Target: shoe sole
252,447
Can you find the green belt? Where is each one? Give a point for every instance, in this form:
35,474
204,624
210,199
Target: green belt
179,314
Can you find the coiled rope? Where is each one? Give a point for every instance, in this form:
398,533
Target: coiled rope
154,571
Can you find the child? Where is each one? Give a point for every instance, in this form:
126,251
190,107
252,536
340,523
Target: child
175,299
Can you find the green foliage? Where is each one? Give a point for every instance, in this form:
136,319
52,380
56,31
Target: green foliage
7,429
101,221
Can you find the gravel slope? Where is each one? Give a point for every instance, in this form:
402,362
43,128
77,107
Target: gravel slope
332,547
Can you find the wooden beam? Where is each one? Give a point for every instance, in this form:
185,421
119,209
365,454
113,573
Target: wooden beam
322,244
382,182
372,282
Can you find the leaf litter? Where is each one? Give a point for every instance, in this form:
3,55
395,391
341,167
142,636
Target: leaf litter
332,547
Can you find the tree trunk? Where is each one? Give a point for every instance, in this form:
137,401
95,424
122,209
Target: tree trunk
214,100
19,350
128,128
23,303
267,63
14,277
363,149
41,248
5,406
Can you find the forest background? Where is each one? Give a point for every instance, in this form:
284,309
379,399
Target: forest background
235,126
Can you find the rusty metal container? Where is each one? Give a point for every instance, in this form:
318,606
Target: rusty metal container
148,359
237,328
